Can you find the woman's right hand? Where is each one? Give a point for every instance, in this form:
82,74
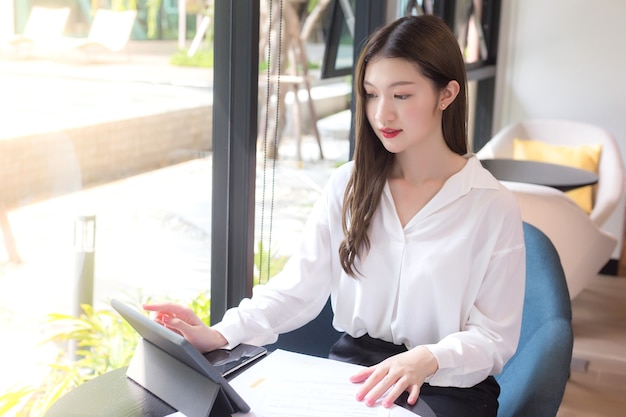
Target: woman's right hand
185,322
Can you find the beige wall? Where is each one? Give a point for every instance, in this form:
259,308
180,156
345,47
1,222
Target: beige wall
564,59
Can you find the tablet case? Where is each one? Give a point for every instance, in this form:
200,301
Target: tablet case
177,384
168,366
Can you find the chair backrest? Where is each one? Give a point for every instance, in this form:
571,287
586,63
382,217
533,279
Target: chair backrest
533,381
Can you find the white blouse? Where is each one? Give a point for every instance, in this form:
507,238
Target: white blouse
452,279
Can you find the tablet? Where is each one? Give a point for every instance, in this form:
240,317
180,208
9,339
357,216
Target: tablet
180,348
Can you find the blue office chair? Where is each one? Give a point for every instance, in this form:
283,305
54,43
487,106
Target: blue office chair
533,381
315,338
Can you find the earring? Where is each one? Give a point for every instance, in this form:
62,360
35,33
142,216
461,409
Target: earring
443,106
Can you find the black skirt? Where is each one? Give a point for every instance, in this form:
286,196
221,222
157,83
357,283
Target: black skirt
480,400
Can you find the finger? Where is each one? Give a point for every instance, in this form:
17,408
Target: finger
414,393
396,390
361,375
368,377
174,310
176,324
379,389
375,385
168,308
158,317
173,329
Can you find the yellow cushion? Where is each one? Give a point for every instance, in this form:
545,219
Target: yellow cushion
580,156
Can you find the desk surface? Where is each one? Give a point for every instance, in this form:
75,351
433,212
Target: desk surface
115,395
111,394
560,177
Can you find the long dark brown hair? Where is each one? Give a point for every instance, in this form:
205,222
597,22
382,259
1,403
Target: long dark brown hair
428,42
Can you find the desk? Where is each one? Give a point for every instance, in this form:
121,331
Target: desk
115,395
111,394
561,177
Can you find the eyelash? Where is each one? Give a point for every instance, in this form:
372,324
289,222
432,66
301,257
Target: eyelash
398,96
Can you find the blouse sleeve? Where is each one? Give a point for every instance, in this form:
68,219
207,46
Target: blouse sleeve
298,293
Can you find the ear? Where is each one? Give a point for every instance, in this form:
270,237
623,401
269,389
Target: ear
448,94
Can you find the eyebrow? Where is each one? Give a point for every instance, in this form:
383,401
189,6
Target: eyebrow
395,84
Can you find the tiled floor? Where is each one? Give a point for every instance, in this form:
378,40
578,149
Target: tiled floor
599,322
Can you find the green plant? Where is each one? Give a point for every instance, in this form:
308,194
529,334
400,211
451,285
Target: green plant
201,305
312,4
153,8
152,13
99,341
89,345
266,264
11,400
124,5
202,58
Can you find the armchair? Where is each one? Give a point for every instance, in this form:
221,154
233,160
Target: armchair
583,248
581,259
611,177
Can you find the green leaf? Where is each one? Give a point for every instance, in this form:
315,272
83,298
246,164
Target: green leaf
11,399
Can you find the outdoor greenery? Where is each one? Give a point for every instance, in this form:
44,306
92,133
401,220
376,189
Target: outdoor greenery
89,345
99,341
203,58
151,9
266,264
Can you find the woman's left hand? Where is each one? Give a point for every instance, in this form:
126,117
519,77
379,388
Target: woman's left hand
403,372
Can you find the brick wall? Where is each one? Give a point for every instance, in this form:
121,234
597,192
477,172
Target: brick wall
41,166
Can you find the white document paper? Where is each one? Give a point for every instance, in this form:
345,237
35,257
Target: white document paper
287,384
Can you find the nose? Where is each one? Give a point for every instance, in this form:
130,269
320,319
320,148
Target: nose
385,111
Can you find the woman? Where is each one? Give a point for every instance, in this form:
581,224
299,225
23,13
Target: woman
420,249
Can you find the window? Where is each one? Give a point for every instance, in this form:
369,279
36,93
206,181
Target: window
106,180
474,22
339,51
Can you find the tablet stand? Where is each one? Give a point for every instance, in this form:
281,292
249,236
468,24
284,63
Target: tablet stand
177,384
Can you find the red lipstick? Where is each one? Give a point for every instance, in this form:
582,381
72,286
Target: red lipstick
390,133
